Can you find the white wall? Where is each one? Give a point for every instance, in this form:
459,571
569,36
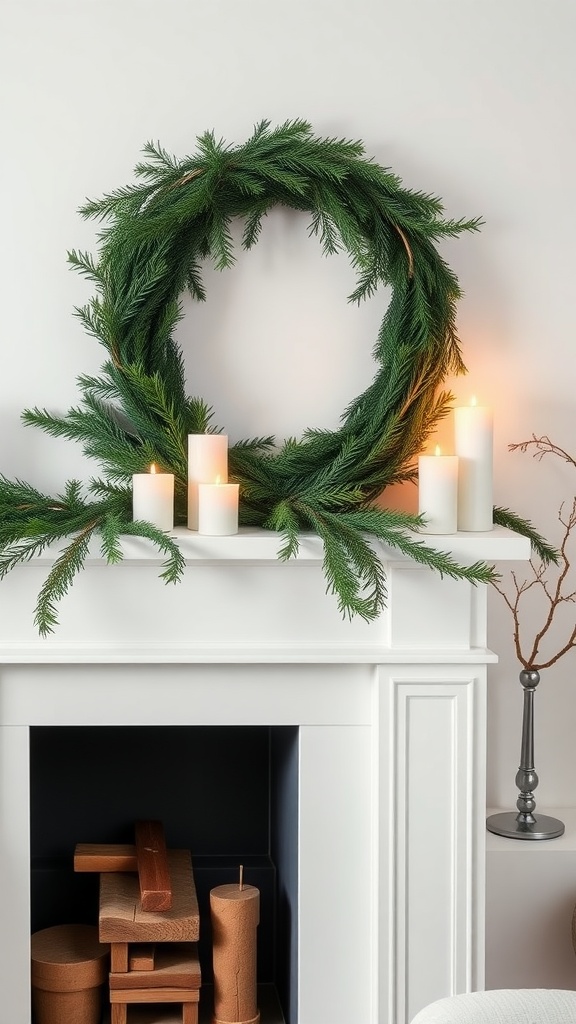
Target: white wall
472,101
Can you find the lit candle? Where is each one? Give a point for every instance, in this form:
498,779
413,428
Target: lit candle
207,461
153,498
473,441
218,509
438,491
235,913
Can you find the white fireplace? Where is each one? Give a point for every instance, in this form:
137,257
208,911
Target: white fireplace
387,879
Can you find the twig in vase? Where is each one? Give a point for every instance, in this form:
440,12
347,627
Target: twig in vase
553,589
550,583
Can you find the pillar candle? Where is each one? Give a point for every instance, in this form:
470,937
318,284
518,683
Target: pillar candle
235,913
207,462
218,509
153,498
438,492
473,440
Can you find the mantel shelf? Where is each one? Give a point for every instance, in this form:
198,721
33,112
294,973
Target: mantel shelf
253,545
43,653
237,602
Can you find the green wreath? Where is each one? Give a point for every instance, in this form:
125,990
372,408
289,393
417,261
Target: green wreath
157,233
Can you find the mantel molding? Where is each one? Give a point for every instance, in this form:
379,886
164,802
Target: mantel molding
236,654
252,545
237,602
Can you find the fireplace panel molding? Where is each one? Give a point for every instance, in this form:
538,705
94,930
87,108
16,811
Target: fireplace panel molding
391,739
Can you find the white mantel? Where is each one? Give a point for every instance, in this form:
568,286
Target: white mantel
391,719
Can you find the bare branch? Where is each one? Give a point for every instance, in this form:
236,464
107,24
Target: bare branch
544,446
553,588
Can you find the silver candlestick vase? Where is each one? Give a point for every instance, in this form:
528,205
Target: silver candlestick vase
526,824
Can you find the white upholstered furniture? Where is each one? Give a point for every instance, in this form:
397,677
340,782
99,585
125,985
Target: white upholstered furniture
503,1006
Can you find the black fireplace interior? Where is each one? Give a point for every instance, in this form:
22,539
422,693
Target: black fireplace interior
229,794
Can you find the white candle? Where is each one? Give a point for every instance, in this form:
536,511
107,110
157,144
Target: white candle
218,509
207,461
153,498
438,491
473,441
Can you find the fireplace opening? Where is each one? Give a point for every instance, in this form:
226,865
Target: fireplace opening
229,794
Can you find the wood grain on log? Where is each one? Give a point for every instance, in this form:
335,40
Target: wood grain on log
154,995
119,957
121,916
105,857
142,957
176,966
153,869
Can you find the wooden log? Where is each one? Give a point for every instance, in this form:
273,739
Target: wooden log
105,857
119,1013
153,869
68,967
121,916
190,1013
119,957
235,913
176,966
142,957
153,995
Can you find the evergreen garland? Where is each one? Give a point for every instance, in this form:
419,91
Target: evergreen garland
156,235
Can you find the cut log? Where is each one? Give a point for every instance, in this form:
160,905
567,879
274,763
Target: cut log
119,957
176,966
142,957
123,920
68,967
105,857
153,870
153,995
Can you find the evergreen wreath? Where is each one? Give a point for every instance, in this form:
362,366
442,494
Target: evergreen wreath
157,233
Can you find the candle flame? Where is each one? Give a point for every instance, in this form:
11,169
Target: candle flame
218,480
473,400
153,467
438,450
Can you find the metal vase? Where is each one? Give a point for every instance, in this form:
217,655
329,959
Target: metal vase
526,824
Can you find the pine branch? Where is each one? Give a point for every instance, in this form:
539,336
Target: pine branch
60,579
352,572
285,521
156,235
392,528
175,563
545,551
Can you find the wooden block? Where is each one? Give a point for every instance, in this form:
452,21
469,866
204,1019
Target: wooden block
123,920
119,957
153,995
141,957
153,870
176,966
234,913
189,1013
119,1013
68,958
105,857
